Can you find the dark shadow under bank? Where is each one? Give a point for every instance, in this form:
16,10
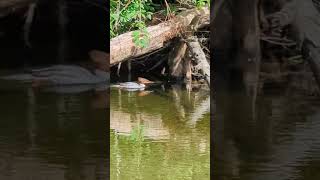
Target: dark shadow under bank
86,29
274,136
278,140
47,135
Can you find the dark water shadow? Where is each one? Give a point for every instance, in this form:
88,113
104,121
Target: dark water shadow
279,141
52,136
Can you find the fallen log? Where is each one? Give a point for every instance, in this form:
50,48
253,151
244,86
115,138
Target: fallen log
10,6
122,47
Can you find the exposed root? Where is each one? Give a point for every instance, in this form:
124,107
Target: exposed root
28,23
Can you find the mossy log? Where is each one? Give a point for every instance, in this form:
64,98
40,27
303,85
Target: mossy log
122,47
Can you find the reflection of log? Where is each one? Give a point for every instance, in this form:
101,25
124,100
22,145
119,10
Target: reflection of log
9,6
123,47
177,101
202,109
124,123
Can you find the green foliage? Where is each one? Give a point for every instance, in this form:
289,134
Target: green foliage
141,38
130,15
201,3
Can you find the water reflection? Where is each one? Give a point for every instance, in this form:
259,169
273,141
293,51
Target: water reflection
162,134
52,135
282,141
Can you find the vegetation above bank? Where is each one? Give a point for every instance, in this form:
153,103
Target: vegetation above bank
128,15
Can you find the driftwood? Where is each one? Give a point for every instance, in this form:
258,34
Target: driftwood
180,57
123,47
199,57
175,60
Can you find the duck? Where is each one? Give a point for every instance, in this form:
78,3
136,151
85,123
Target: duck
139,85
68,74
130,85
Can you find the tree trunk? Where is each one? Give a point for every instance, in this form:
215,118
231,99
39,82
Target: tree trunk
247,39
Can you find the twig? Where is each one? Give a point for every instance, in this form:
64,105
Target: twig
168,10
157,64
274,40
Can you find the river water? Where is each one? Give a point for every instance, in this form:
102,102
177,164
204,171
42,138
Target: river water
52,135
278,138
160,133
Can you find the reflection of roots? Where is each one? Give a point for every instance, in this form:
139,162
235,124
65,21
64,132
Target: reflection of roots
302,82
4,164
305,83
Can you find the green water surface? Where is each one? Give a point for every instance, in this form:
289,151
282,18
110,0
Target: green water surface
160,135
